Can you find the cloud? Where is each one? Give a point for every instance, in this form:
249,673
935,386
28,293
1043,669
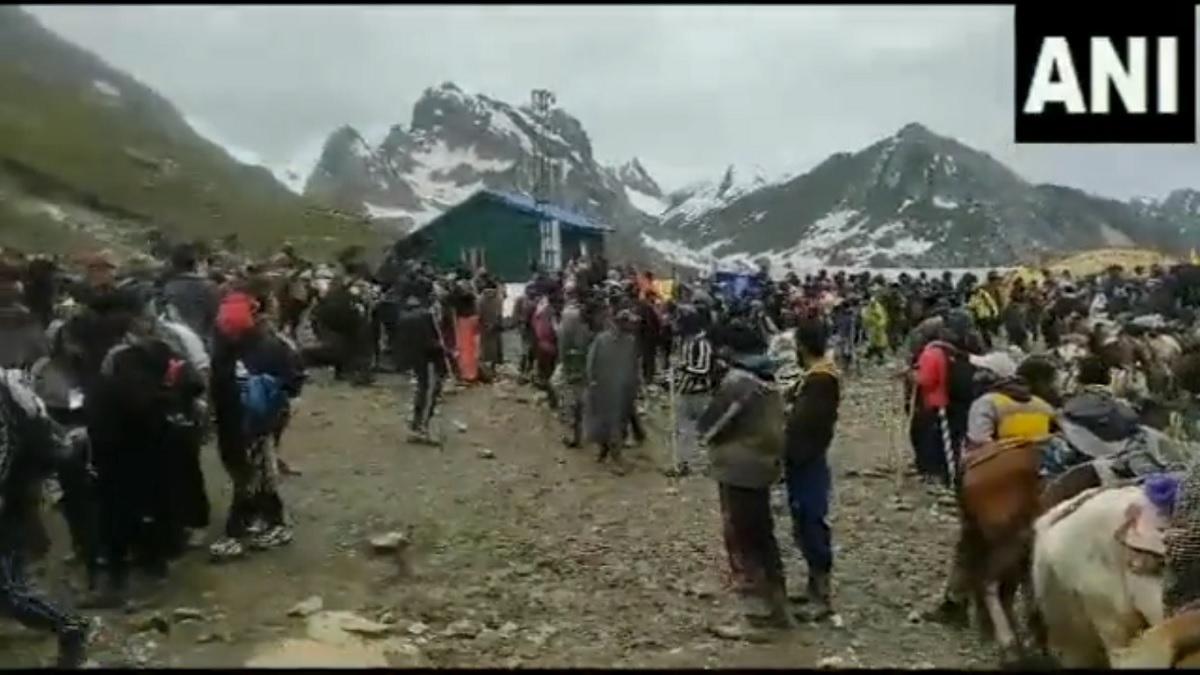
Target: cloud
687,89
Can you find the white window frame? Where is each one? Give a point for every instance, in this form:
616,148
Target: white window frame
551,243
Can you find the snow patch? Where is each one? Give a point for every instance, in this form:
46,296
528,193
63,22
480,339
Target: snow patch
651,206
418,217
436,160
106,88
502,123
705,196
385,212
943,203
293,174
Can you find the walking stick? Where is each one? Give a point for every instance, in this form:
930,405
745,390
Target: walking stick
854,344
907,421
948,449
435,418
673,415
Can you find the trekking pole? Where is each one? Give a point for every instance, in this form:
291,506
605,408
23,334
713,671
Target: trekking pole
948,449
433,419
854,343
673,414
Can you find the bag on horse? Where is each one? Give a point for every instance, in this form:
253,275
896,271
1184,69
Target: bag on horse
1000,486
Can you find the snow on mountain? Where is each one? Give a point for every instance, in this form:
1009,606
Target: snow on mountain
695,200
291,174
458,143
651,206
913,198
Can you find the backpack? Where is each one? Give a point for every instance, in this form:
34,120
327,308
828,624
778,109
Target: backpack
262,399
960,376
235,315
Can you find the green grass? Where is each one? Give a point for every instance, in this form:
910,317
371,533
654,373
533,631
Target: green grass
65,145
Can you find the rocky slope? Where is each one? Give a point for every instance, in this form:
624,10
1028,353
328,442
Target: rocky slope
457,143
89,155
914,198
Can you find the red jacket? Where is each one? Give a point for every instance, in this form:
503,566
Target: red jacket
543,330
933,375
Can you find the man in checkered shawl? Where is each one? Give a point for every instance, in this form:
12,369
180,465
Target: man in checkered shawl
1181,576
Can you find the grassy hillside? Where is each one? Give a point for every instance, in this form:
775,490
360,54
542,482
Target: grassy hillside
87,154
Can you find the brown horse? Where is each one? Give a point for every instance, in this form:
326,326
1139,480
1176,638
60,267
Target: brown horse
1173,643
1001,498
295,293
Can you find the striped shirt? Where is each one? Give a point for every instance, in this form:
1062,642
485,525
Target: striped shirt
696,374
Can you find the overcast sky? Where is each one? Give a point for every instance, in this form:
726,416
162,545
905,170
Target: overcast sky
689,90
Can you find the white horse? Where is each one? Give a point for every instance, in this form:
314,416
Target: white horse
1097,561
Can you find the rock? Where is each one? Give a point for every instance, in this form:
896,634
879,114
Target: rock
831,662
307,607
154,622
188,614
404,654
459,426
914,616
343,627
317,654
461,629
484,453
390,542
417,628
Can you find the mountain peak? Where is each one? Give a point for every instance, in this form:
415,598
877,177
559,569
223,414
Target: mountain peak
459,142
634,175
912,198
915,131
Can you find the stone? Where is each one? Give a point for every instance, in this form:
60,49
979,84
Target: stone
307,607
461,629
390,542
188,614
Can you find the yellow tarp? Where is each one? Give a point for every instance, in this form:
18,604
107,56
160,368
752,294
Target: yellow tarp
1029,276
1096,261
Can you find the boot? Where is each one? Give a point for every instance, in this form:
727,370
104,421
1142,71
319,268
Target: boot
72,646
819,605
779,613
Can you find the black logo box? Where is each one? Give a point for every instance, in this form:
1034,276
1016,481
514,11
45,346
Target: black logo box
1033,22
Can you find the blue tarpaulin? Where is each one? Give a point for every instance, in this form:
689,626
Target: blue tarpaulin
736,285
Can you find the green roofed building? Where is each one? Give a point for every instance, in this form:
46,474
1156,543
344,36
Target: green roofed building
507,234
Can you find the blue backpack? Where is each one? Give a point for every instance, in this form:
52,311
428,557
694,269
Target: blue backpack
263,399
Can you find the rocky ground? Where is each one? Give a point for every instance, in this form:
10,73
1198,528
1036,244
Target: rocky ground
509,549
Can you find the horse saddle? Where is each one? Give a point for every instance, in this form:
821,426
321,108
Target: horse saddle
1144,528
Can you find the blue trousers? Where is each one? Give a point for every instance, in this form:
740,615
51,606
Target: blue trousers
20,602
808,492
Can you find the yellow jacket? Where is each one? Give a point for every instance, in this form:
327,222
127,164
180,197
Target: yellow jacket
875,322
982,305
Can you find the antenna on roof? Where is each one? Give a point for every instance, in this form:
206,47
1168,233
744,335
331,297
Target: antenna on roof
541,103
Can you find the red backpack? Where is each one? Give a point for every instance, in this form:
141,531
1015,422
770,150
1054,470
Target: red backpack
235,316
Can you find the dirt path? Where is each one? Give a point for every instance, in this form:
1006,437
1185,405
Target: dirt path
527,553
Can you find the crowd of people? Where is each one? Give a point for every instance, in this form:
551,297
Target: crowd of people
115,378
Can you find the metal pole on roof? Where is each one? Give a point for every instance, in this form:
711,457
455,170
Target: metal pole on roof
541,102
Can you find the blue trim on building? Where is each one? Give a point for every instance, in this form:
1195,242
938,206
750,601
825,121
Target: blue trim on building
565,218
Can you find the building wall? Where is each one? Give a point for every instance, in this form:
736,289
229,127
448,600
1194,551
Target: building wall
509,240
